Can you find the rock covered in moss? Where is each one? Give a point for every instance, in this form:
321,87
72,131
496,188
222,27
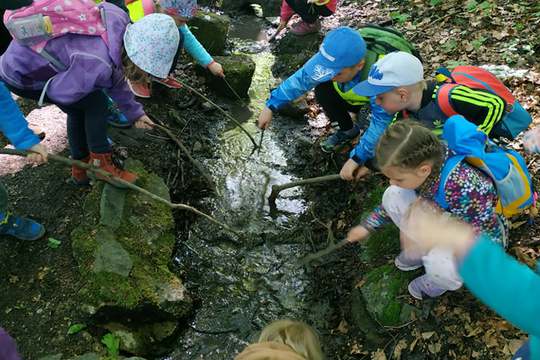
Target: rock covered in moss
123,250
239,70
211,30
382,295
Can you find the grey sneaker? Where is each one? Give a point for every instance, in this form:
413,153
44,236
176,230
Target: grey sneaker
339,139
423,286
405,263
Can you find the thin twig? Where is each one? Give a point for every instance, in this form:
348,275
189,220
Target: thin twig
276,189
260,142
319,254
113,180
221,110
186,152
234,91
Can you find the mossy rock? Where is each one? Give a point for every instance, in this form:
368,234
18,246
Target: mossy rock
287,64
211,30
124,263
294,44
239,70
381,291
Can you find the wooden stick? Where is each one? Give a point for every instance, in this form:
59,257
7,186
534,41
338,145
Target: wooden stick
115,181
222,111
276,189
186,152
331,248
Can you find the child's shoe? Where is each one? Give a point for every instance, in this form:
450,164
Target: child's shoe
339,139
171,82
140,89
115,117
405,263
104,161
78,175
20,228
423,286
303,28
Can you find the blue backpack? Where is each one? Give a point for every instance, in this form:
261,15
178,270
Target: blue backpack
505,167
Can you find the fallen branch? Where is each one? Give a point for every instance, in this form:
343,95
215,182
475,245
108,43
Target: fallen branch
319,254
222,111
276,189
186,152
113,180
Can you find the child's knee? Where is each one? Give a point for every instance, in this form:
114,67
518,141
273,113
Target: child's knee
397,198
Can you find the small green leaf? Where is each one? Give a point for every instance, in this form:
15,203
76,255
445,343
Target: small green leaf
471,5
53,243
435,2
113,345
75,328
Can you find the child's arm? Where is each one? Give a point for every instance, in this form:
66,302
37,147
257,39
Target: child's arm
479,107
13,124
194,47
510,288
292,88
365,149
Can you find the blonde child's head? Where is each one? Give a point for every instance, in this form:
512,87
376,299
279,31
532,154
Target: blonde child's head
285,339
397,80
407,153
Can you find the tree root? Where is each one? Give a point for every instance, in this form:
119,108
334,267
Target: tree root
115,181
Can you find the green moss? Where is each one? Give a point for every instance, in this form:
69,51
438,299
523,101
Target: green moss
381,290
211,30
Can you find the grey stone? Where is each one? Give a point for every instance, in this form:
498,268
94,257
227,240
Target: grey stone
111,206
111,256
239,70
211,30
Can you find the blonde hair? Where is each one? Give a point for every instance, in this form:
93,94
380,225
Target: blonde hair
407,144
132,71
298,335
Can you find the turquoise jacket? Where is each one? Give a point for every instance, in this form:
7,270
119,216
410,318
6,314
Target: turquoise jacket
508,287
194,47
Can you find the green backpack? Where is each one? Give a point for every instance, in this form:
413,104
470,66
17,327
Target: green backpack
381,41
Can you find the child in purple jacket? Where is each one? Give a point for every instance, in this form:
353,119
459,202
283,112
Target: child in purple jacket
91,65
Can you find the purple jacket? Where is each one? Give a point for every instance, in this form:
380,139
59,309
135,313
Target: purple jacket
8,348
91,65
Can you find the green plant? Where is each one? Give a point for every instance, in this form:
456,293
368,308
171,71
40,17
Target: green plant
75,328
449,46
399,17
471,5
478,42
435,2
112,343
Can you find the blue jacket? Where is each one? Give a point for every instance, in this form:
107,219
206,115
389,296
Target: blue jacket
12,122
508,287
301,82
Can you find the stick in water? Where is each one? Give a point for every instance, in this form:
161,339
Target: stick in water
276,189
319,254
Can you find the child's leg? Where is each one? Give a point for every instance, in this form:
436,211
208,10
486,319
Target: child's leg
441,269
335,107
76,133
95,110
308,12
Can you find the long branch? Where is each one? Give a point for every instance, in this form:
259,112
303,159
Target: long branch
331,248
276,189
222,111
115,180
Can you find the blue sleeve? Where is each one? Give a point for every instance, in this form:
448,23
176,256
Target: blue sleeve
13,124
508,287
365,149
292,88
194,47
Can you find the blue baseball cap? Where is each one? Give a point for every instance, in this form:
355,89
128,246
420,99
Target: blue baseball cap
342,47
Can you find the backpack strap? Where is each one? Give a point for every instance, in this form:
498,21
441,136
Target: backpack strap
448,167
443,99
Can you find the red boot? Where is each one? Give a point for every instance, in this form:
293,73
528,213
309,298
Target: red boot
78,175
104,162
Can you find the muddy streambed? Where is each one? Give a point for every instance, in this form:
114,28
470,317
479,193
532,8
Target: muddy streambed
242,288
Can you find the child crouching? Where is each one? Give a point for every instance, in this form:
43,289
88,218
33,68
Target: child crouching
411,157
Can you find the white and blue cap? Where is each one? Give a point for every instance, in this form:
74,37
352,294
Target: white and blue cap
342,47
393,70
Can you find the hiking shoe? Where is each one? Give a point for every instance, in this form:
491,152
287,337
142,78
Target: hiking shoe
171,82
303,28
140,89
339,139
422,287
104,161
20,228
405,263
115,117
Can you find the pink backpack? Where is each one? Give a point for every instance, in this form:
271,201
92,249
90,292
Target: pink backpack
36,24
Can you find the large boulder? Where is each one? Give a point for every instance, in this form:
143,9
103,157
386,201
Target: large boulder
269,7
211,30
123,250
239,70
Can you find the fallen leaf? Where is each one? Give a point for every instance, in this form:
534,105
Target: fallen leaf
378,355
343,327
401,345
